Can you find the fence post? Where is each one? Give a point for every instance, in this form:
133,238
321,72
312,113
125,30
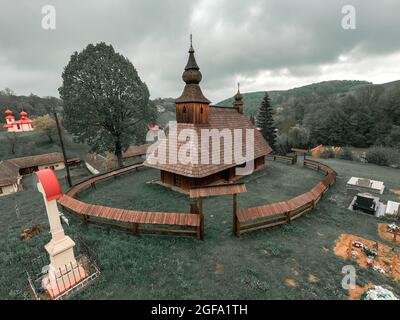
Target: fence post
237,228
85,218
135,228
236,224
198,209
62,278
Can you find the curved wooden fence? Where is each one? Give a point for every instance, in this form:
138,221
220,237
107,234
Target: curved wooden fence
141,222
273,214
150,222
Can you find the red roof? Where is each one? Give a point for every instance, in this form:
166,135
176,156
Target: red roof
8,125
23,114
154,127
8,112
50,183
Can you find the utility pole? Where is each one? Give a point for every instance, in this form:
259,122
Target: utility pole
63,149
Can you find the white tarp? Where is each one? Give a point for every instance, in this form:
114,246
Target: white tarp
392,208
374,186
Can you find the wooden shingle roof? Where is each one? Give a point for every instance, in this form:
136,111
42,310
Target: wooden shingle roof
9,173
219,118
106,163
38,160
134,151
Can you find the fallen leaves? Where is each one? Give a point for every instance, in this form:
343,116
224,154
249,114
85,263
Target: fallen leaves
312,278
291,282
218,267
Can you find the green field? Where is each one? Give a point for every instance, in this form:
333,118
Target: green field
220,267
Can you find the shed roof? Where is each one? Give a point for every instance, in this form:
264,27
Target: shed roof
38,160
9,173
217,190
106,163
134,151
300,150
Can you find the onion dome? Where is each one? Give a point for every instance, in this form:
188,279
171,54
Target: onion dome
24,118
192,77
192,72
9,114
238,96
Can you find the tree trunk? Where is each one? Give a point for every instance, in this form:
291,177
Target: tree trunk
12,139
13,147
118,153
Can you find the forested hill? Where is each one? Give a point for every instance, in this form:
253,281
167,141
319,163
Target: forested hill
252,100
365,116
341,113
38,106
34,105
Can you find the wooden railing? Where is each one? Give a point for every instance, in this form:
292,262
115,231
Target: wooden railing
286,159
140,222
274,214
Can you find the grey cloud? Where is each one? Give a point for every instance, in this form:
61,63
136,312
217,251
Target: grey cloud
231,38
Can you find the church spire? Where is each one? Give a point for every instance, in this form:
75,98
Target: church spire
192,77
192,72
238,104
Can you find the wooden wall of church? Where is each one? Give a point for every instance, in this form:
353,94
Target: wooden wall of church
192,113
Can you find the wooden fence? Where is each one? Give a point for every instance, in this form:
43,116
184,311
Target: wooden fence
155,223
140,222
286,159
274,214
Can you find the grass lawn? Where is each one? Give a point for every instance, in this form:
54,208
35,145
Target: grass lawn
221,267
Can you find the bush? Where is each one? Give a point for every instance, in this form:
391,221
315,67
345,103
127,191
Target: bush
345,154
298,137
327,153
282,145
383,156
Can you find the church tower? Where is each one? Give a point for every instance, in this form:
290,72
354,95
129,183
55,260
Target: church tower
238,104
192,106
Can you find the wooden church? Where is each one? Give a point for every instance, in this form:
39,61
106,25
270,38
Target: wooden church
193,111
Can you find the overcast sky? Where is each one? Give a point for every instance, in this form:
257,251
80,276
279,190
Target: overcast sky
264,44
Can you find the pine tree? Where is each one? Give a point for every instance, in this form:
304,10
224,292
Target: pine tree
265,121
